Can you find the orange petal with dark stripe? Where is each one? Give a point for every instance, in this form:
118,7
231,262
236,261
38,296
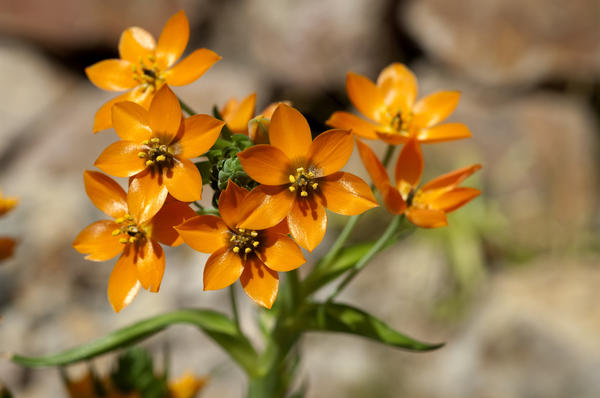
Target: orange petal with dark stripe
173,40
123,284
308,222
265,206
330,151
191,67
222,269
353,123
434,108
259,282
346,194
289,131
206,234
279,252
266,164
105,193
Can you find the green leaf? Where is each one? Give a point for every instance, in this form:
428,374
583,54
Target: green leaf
334,317
216,325
205,169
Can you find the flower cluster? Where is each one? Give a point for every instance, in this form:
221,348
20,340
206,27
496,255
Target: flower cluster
7,245
272,182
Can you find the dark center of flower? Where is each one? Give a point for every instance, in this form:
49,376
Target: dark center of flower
244,241
303,182
400,123
146,73
129,231
156,153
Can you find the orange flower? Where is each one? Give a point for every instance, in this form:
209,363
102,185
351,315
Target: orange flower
134,233
7,245
7,204
390,104
300,178
156,146
145,66
240,119
253,256
186,386
425,207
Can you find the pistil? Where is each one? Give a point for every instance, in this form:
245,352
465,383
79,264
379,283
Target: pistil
244,241
303,182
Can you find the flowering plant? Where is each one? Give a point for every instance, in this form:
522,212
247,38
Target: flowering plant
271,184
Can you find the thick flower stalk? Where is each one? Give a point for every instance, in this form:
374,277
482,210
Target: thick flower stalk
300,178
253,255
426,206
145,66
7,245
394,115
133,233
156,147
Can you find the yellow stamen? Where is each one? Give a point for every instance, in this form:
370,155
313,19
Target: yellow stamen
149,162
292,188
304,194
120,220
127,216
155,140
310,174
236,249
151,58
123,240
247,250
315,185
242,230
161,158
299,169
255,243
145,142
292,179
232,239
141,154
116,232
132,239
254,234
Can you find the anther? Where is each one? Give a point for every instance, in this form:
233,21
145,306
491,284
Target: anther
232,239
299,169
304,194
149,162
163,148
128,217
132,239
315,185
310,174
145,142
236,249
247,250
242,230
116,232
155,140
161,158
123,240
254,234
255,243
292,179
151,58
141,154
292,188
120,220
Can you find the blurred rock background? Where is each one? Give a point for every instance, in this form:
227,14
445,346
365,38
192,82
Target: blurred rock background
511,285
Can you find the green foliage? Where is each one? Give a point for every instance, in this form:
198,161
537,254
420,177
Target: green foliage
333,317
135,372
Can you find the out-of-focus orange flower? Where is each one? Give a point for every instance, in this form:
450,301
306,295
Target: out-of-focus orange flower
7,245
134,233
155,149
240,119
7,204
390,105
300,178
252,255
144,66
425,207
186,386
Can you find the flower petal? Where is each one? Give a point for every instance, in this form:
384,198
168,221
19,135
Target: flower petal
307,222
199,135
191,67
259,282
7,248
266,164
230,203
206,234
123,284
353,123
392,138
346,194
183,180
279,252
393,199
330,151
146,195
451,179
165,115
103,118
238,119
171,214
130,121
111,74
120,159
373,165
454,199
98,242
150,264
173,40
365,96
409,167
105,193
136,43
399,87
444,132
222,269
290,132
265,206
427,218
434,108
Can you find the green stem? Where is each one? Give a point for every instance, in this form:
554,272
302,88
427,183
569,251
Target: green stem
214,212
339,242
186,108
294,282
376,248
388,155
234,306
